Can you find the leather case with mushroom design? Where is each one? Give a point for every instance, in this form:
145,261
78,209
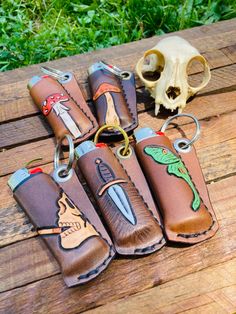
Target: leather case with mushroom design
134,228
63,104
114,98
73,232
179,189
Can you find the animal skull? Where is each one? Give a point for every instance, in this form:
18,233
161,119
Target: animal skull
171,57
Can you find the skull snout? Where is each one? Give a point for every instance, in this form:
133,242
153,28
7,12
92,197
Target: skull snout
173,92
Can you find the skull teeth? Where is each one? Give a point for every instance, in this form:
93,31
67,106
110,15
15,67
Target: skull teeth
76,227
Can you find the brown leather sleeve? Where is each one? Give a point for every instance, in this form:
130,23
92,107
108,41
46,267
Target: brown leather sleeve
78,246
191,161
132,225
186,216
65,108
115,101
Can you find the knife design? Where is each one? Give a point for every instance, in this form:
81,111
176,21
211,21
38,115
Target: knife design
114,190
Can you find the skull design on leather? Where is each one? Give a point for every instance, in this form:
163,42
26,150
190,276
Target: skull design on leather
78,228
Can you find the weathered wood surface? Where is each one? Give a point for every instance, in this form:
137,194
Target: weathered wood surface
196,279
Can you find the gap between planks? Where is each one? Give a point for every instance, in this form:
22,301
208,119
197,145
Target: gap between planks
16,97
215,285
123,277
208,109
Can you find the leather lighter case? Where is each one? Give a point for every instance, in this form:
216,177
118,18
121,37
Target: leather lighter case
63,104
81,249
114,98
178,188
133,227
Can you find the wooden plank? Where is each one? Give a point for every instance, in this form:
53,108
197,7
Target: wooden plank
211,290
205,38
16,102
216,150
125,277
18,274
203,107
34,128
214,130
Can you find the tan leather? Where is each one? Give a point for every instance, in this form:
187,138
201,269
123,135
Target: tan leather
115,101
175,197
80,249
75,106
105,88
141,237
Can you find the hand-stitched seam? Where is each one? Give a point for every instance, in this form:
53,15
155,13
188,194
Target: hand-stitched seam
109,245
128,105
96,270
195,235
92,122
146,205
149,248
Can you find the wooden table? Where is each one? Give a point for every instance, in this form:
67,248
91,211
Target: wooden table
195,279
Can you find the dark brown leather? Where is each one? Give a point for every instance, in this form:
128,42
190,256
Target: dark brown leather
122,94
77,107
182,223
75,191
82,250
133,170
143,234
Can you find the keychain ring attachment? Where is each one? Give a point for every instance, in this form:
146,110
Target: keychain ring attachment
126,148
187,143
61,76
57,165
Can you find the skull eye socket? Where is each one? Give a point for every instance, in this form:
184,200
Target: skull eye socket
153,65
197,71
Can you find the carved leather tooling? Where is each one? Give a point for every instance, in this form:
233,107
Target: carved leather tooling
114,96
73,226
174,167
64,106
134,228
187,213
81,250
115,191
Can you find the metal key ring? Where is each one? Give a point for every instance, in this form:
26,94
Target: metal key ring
124,75
126,149
187,143
71,154
54,72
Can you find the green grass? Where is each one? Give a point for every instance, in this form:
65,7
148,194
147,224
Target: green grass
35,31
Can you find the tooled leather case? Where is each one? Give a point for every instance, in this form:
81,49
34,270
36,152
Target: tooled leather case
73,232
134,229
64,106
179,189
114,99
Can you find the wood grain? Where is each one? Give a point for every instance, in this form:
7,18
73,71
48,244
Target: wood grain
203,107
36,128
196,279
213,290
225,211
216,151
16,102
125,277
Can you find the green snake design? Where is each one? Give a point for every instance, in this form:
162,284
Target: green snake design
175,166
